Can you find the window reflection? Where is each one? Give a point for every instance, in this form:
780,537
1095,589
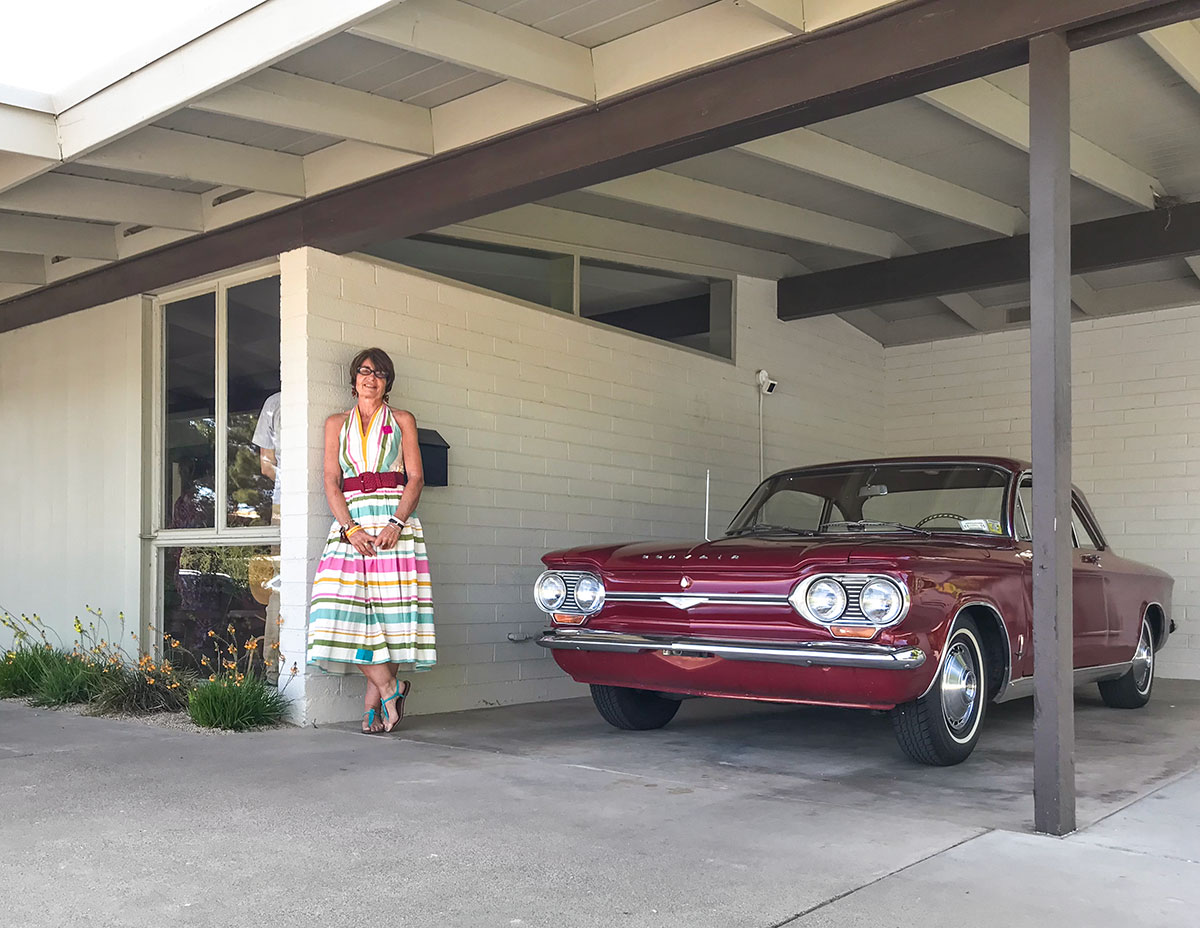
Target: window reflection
209,589
254,402
190,428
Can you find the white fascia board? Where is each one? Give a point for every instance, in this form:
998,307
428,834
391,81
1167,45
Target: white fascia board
38,236
1179,46
701,37
28,132
493,111
16,169
294,102
348,162
167,153
256,39
27,99
105,201
487,42
547,227
1089,300
986,107
677,194
17,268
833,160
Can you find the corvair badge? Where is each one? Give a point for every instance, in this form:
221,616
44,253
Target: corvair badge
684,602
702,557
685,582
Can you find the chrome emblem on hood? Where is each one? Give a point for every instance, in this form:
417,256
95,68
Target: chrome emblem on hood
685,582
684,602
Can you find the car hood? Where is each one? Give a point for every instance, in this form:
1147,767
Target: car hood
768,554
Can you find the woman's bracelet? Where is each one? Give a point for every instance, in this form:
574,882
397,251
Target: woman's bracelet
399,523
349,529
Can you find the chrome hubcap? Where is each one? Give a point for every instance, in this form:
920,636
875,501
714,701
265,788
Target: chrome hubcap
960,687
1143,660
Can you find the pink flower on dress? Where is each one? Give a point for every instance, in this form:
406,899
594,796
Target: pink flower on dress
387,430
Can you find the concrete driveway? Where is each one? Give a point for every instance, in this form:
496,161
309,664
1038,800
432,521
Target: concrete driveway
734,815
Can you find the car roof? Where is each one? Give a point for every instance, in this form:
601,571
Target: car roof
1015,465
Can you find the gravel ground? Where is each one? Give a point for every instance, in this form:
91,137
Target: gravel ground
176,721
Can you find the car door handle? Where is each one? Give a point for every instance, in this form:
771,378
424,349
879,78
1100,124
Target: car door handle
1091,559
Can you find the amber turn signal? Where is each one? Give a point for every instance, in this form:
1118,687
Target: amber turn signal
561,618
851,631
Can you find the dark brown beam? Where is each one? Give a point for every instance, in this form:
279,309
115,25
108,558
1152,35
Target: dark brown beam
902,50
1095,246
1050,433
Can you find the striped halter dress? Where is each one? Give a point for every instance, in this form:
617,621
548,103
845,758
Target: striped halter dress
372,610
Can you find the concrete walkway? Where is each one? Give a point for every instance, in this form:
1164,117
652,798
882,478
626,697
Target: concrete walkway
735,815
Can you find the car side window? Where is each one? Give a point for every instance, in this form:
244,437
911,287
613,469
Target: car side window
1080,532
1024,510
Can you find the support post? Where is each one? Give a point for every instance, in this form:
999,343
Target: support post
1050,397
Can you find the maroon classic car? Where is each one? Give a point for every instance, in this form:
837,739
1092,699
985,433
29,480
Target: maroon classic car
897,584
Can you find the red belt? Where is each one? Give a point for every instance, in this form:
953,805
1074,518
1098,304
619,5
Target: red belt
370,482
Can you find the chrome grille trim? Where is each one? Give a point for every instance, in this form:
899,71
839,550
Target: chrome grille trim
571,579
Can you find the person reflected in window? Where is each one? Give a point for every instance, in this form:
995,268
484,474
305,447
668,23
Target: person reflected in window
371,605
266,437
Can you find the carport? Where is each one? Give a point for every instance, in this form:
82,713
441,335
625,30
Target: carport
823,134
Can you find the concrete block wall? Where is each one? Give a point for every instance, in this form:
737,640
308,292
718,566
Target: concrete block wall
562,432
1136,441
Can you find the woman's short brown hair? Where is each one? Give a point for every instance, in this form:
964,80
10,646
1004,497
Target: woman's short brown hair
379,358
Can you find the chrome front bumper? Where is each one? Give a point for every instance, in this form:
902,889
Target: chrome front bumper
800,654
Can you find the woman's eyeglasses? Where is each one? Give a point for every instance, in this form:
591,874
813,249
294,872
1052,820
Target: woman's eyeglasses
371,372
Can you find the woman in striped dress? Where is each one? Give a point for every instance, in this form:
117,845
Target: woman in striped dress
371,605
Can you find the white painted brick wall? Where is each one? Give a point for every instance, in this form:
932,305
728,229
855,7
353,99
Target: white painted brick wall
1136,411
562,432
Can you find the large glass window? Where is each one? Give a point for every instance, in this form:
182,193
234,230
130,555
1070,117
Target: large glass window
674,307
217,532
252,456
684,309
215,604
191,412
540,277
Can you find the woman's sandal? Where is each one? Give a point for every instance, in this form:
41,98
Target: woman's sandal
398,706
369,718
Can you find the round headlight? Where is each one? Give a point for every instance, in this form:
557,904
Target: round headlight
880,601
549,591
826,600
589,593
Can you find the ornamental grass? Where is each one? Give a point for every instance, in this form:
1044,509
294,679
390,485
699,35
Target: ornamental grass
235,697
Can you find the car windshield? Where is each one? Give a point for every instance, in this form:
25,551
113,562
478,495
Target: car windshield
907,498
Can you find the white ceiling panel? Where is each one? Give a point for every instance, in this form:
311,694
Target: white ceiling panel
246,132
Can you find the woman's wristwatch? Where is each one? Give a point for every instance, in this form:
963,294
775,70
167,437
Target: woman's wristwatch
399,523
347,530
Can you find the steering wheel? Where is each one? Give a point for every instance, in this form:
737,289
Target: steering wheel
941,515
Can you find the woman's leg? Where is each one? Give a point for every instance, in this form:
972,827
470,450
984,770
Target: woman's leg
384,678
371,701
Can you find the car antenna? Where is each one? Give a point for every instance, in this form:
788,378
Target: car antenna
707,481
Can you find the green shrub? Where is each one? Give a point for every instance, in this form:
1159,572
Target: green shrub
143,689
65,679
236,703
21,671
